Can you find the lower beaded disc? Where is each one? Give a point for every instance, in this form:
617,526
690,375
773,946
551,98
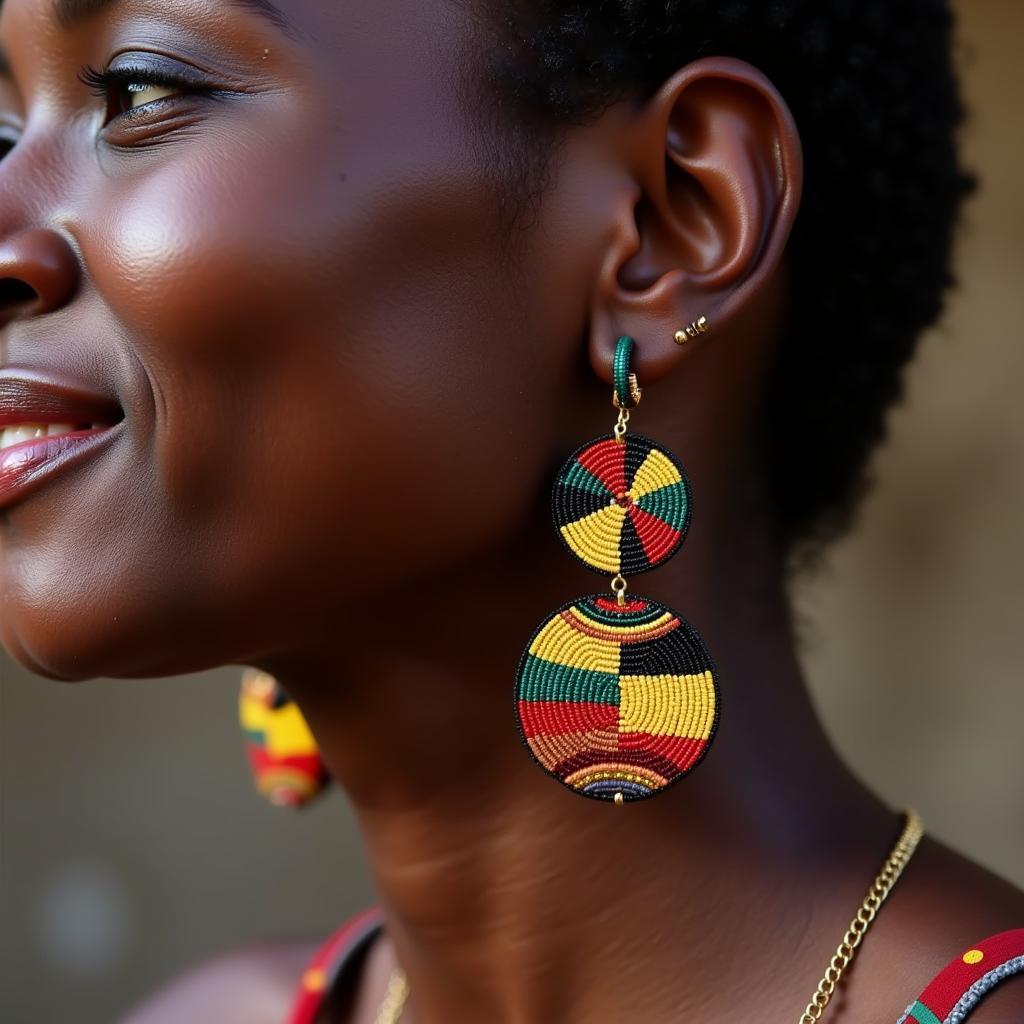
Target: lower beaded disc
617,703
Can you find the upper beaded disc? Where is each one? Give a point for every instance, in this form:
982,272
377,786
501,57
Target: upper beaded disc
622,506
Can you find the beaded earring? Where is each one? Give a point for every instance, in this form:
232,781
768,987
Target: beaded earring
281,751
615,697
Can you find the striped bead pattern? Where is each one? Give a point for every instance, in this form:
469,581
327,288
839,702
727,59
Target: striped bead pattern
616,700
622,506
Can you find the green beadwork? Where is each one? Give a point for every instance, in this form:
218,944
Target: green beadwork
544,680
574,475
620,370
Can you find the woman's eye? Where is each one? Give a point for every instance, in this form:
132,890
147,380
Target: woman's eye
9,136
140,93
130,89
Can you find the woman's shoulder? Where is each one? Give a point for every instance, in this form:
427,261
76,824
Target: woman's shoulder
944,907
249,985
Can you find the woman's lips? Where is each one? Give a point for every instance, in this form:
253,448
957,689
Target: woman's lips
26,466
27,399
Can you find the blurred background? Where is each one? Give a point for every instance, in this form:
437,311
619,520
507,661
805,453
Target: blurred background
111,793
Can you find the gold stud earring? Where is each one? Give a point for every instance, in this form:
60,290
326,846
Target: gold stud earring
698,327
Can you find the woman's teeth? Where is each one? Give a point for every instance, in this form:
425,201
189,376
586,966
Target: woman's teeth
28,431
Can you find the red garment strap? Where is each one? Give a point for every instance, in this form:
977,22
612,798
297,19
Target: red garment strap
955,991
323,969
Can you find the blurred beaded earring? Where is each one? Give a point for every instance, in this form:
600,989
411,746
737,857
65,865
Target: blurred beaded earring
281,751
617,697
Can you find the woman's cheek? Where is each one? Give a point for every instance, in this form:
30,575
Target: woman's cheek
212,233
311,377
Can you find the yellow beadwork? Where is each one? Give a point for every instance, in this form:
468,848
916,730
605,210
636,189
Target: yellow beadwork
654,473
667,705
560,643
285,730
595,538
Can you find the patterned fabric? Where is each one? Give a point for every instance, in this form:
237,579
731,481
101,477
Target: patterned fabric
616,699
325,969
958,988
621,507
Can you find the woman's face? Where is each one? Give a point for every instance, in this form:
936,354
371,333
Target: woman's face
288,275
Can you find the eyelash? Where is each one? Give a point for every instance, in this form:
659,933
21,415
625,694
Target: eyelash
100,83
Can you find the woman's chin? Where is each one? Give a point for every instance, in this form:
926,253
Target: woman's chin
77,641
48,651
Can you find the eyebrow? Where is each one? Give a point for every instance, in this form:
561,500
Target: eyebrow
70,14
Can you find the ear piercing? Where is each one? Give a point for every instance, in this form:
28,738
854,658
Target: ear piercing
699,326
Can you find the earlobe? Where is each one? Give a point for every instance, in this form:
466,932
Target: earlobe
715,161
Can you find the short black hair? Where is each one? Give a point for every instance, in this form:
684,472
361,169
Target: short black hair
873,89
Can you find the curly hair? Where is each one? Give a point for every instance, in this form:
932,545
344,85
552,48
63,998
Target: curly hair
873,90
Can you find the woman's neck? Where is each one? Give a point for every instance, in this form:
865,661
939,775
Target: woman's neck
510,899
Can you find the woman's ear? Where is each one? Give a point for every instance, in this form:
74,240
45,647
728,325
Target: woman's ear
714,179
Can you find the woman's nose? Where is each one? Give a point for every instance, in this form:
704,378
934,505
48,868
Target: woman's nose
39,272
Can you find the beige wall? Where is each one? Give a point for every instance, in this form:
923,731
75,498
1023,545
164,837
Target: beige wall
116,869
914,645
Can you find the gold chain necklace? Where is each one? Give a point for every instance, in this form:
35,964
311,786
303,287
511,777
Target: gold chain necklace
390,1011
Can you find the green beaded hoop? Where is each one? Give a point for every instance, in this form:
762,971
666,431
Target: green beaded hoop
627,393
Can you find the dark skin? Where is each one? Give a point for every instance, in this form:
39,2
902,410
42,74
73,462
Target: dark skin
342,420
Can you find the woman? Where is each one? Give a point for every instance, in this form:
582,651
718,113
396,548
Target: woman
316,300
